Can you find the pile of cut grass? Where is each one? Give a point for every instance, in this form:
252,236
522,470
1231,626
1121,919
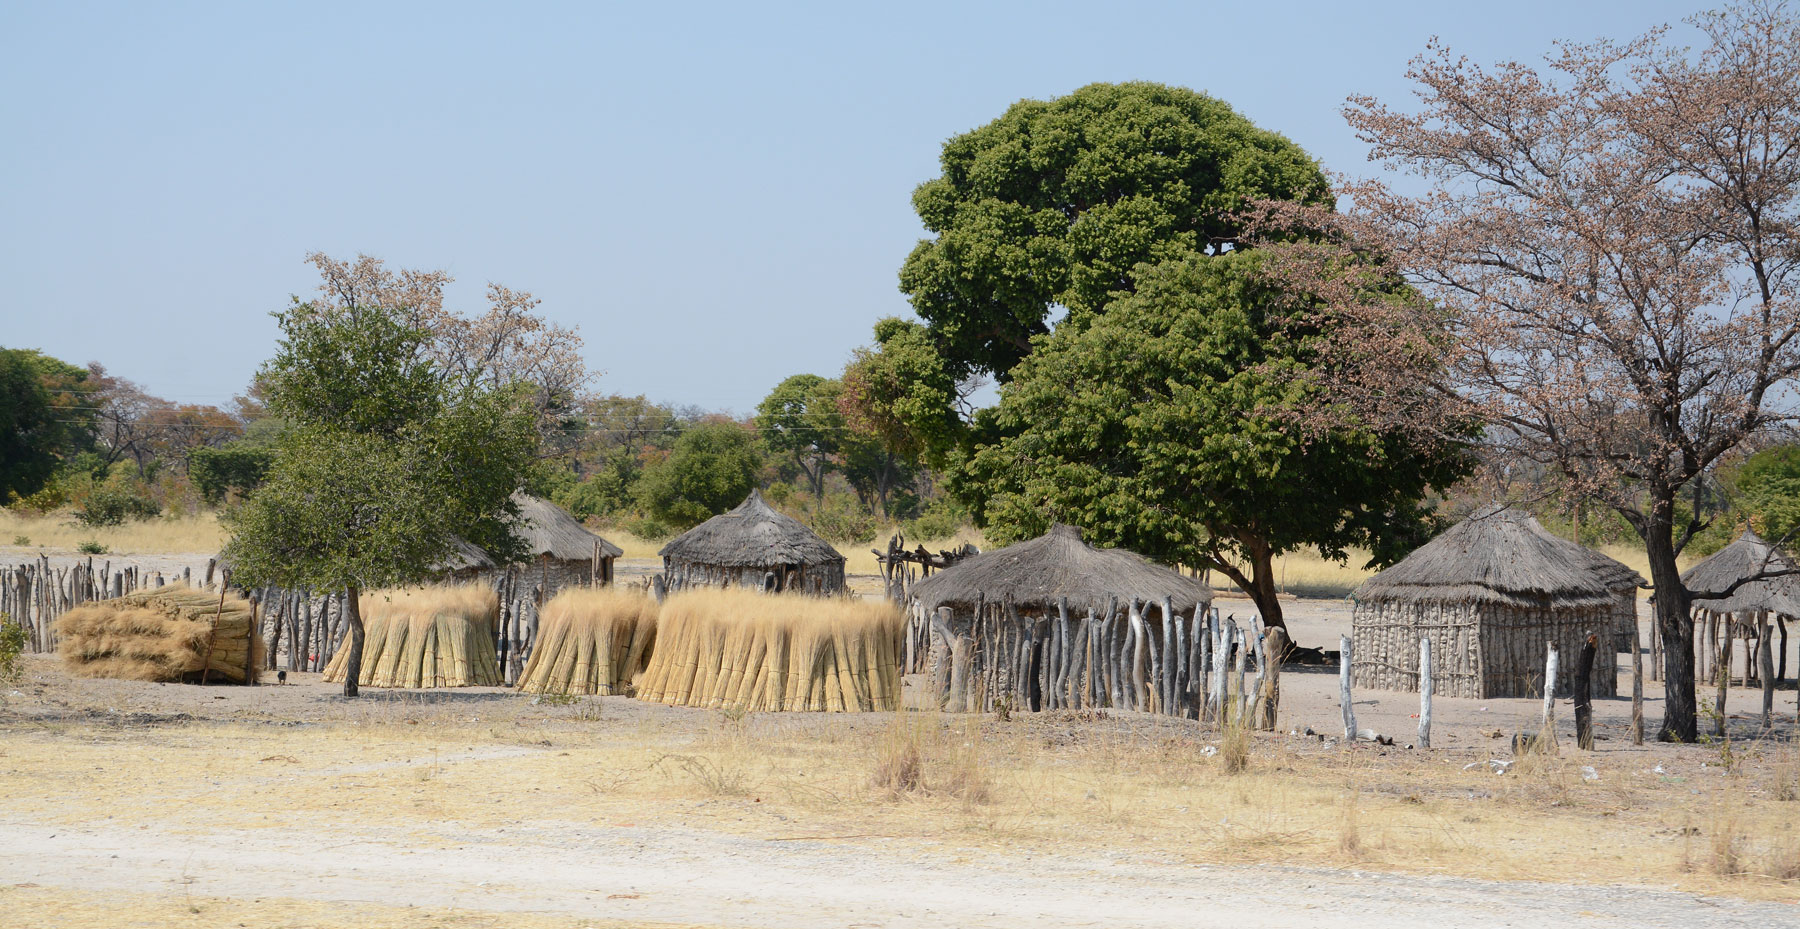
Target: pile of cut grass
440,636
168,634
591,640
758,652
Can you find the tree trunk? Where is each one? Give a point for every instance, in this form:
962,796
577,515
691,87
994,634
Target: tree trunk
353,664
1675,629
1262,584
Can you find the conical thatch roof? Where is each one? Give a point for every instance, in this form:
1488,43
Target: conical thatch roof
1748,556
464,556
549,530
1055,565
751,535
1501,555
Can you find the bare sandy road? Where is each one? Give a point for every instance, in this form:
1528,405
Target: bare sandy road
685,876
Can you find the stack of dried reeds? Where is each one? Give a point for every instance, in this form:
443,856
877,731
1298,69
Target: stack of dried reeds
441,636
752,651
173,633
591,640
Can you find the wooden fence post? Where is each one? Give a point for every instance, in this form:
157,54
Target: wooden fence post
1766,670
1547,727
1274,646
1637,682
1584,701
1425,687
1344,688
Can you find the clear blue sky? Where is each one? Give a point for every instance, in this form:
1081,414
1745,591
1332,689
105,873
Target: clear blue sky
716,194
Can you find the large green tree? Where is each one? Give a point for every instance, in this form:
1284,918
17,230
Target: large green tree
43,419
1176,425
800,421
711,469
385,460
1049,209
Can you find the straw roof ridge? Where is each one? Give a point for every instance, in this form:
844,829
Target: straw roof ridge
1748,556
749,535
548,529
1501,555
1058,564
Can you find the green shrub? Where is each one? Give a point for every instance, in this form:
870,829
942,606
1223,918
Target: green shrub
942,519
840,517
91,547
114,505
21,540
647,527
12,645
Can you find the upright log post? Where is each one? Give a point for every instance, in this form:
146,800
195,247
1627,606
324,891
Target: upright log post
1344,688
1275,645
1547,726
1637,684
1216,697
1722,670
1425,687
1584,701
1766,670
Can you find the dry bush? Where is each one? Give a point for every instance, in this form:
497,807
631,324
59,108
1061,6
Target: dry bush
440,636
917,755
1234,746
784,652
591,640
1349,825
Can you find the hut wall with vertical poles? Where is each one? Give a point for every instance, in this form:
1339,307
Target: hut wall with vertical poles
1492,594
1752,613
563,553
753,546
1055,623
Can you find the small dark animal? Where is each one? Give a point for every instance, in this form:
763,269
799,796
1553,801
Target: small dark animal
281,677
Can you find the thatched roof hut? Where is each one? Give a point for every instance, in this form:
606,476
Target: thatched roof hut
465,561
1492,593
1001,613
562,551
752,545
1749,556
1036,575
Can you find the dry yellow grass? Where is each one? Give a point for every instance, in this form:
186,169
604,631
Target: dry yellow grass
591,640
975,785
196,533
440,636
752,651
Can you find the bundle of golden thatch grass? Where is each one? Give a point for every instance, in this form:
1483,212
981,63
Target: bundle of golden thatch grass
441,636
172,633
591,640
752,651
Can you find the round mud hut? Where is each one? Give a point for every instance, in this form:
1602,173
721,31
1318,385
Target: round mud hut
1492,593
1745,613
563,552
1056,623
753,546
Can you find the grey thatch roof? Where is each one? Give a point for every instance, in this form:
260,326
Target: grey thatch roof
1502,555
1748,556
548,529
464,556
1057,564
751,535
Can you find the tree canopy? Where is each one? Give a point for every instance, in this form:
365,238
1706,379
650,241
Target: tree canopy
43,421
1173,426
1054,204
384,463
711,469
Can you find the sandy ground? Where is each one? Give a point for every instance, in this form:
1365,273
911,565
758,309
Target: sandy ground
132,804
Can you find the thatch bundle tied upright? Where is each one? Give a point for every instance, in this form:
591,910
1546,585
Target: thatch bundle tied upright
743,650
591,641
426,637
1492,593
753,546
170,634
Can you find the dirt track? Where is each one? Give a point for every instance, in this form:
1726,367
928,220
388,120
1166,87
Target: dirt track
684,876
